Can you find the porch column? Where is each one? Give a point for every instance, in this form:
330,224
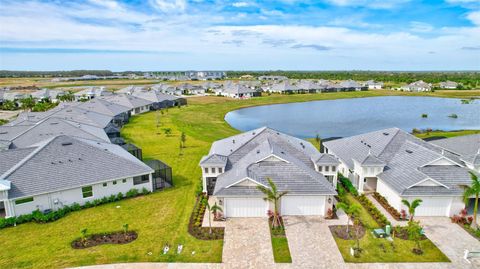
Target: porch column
204,184
9,208
360,184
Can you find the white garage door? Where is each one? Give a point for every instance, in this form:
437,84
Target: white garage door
303,205
245,207
433,206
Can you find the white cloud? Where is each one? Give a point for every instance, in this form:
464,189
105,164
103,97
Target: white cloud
420,27
169,5
241,4
474,17
111,4
375,4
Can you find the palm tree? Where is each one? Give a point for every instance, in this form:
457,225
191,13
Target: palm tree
273,195
412,206
214,208
351,210
474,189
27,103
319,141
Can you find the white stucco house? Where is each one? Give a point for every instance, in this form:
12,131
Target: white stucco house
64,170
400,166
236,165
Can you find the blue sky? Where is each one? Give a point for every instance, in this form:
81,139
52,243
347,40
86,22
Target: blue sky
240,35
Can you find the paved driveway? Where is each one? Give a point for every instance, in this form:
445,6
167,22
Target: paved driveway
247,244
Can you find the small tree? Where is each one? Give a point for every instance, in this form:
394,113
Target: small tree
83,237
414,231
352,212
319,141
412,206
211,209
125,229
473,190
183,139
167,131
27,103
273,195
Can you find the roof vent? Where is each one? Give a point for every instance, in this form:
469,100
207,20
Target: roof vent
409,151
66,143
53,123
253,133
258,151
385,133
4,132
233,141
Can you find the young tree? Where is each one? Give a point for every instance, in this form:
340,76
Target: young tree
352,212
183,139
212,209
27,103
414,231
473,190
167,131
319,141
84,236
67,97
412,206
273,195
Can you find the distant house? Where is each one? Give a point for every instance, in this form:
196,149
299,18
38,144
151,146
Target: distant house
351,85
417,86
136,105
467,148
205,75
448,85
167,89
373,85
274,78
90,93
119,113
308,86
284,86
131,89
236,90
47,94
160,100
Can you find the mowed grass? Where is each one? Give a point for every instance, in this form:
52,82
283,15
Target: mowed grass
281,252
447,133
161,217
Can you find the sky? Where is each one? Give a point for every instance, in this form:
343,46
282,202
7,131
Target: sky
157,35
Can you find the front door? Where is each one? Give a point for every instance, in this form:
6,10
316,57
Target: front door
211,185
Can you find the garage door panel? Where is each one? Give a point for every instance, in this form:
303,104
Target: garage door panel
433,206
303,205
245,207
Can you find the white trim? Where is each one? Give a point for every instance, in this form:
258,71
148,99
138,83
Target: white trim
245,178
428,178
272,155
440,158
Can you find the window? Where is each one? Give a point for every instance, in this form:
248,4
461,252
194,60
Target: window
213,170
105,184
114,182
87,192
319,168
24,200
220,170
327,168
334,168
141,179
124,180
206,170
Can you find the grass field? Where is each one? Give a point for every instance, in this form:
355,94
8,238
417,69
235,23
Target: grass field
158,218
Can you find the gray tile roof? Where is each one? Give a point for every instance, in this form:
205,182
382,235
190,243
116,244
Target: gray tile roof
104,107
64,162
127,100
467,147
214,159
292,168
325,159
371,160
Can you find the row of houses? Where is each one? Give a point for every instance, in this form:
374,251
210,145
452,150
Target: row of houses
391,162
74,153
422,86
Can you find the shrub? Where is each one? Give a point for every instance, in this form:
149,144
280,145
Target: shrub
120,196
145,191
348,185
373,210
132,193
383,201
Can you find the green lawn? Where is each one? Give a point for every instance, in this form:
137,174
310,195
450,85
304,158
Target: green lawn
375,250
281,252
163,216
447,134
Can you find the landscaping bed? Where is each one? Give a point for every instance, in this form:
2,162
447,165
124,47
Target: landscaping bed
196,219
390,209
402,233
281,251
340,231
108,238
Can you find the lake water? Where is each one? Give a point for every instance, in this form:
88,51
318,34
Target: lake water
347,117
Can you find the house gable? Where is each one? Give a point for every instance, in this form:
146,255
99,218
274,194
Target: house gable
272,158
442,161
428,182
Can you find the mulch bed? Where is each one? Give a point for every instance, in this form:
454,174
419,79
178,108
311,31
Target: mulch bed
340,231
403,234
100,239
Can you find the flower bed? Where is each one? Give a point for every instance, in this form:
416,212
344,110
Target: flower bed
373,210
340,231
390,209
196,219
40,217
107,238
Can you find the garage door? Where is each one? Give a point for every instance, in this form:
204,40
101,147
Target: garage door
245,207
433,206
303,205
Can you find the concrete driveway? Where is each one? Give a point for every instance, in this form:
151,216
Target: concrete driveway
247,244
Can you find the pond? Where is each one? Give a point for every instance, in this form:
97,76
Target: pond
347,117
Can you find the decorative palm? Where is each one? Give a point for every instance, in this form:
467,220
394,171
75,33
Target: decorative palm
474,189
212,209
319,141
412,206
273,195
351,210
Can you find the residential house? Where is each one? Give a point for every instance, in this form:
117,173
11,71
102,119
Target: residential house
466,148
235,90
160,100
237,165
400,166
448,85
47,94
135,104
90,93
272,78
351,85
119,113
284,86
417,86
373,85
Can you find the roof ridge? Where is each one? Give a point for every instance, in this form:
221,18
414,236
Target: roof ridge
249,140
389,142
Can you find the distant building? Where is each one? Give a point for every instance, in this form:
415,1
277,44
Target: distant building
275,78
373,85
417,86
448,85
205,75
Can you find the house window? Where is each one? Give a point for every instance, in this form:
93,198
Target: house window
124,180
213,170
24,200
320,168
141,179
87,192
114,182
104,184
327,168
206,170
334,168
220,170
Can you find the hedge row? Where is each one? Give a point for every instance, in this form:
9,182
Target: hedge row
39,217
383,201
347,184
373,210
196,219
